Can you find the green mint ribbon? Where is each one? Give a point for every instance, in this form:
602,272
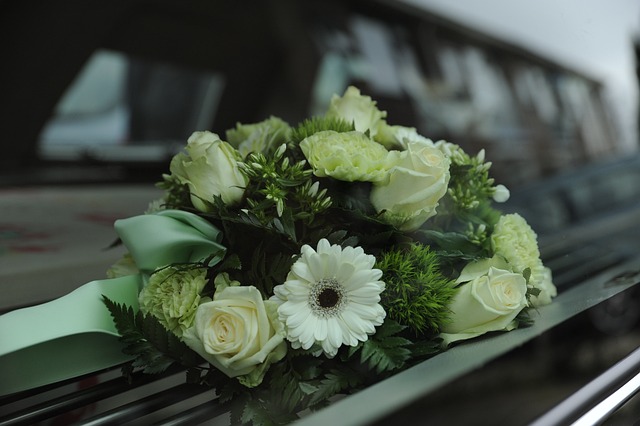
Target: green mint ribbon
75,334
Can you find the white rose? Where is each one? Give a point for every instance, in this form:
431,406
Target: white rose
514,240
398,137
239,333
354,108
416,184
209,167
489,302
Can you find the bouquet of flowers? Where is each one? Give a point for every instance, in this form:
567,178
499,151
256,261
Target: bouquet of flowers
289,264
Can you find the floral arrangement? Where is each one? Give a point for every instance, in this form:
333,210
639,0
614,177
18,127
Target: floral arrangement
322,258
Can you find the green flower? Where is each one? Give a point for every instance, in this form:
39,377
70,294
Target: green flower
354,108
262,137
417,293
514,240
123,267
541,279
348,156
173,296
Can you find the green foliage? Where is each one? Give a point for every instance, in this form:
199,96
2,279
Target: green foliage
422,349
469,195
385,350
154,348
176,194
335,381
230,262
454,246
268,269
318,124
257,414
417,293
279,189
470,183
524,318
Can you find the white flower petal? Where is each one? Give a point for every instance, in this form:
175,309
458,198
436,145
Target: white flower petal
320,333
344,272
301,270
362,278
317,267
295,313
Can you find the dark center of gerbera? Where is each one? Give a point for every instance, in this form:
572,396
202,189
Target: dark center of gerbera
327,297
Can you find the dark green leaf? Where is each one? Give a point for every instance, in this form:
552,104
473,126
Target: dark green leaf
385,350
154,347
232,261
334,382
193,375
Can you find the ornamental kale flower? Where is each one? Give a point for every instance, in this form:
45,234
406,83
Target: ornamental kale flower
172,295
348,156
330,298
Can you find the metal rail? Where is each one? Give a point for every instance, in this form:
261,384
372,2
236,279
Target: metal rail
599,399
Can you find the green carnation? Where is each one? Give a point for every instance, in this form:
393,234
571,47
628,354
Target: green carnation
123,267
173,296
514,240
348,156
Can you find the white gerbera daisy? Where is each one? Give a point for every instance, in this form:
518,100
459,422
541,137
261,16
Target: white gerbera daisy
331,297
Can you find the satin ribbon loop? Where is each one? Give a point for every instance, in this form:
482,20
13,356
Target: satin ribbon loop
170,236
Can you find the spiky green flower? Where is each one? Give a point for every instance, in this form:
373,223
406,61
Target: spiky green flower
319,124
417,293
276,184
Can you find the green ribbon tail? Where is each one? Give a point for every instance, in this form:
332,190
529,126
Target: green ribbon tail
75,334
67,337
